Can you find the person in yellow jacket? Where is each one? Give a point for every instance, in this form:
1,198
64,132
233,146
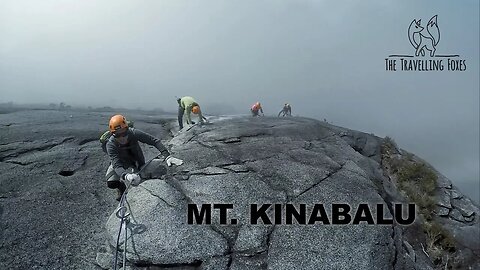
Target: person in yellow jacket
187,105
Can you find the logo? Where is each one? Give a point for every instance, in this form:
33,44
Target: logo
425,40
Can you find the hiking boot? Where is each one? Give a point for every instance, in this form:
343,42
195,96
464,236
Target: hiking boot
119,194
120,190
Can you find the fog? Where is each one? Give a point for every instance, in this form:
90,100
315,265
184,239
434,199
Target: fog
326,59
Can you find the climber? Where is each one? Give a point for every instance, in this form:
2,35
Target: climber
287,110
127,158
255,108
107,134
187,105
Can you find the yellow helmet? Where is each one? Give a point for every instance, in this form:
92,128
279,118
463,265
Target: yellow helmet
117,122
196,109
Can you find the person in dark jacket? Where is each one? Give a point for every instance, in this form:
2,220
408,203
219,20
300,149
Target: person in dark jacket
127,158
287,110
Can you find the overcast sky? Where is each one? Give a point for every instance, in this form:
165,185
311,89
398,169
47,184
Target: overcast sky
325,58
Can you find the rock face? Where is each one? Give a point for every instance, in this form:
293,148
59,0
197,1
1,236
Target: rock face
54,202
53,198
244,161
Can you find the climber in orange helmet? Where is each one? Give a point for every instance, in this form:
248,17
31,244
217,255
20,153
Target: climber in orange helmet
187,105
127,158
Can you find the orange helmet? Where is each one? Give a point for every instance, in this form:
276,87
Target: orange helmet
196,109
117,122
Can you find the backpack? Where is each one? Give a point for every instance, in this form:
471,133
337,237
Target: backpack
107,134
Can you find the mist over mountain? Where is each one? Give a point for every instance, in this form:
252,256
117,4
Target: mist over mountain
362,132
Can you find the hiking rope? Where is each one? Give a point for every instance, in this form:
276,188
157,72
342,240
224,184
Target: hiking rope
125,247
123,215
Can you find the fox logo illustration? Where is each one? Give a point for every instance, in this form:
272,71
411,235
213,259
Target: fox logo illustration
422,38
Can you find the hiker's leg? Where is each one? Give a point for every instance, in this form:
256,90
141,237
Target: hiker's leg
111,176
180,117
117,184
114,182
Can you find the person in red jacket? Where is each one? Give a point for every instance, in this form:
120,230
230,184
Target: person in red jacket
256,108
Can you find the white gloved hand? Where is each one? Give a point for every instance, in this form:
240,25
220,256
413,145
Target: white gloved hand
175,161
133,178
